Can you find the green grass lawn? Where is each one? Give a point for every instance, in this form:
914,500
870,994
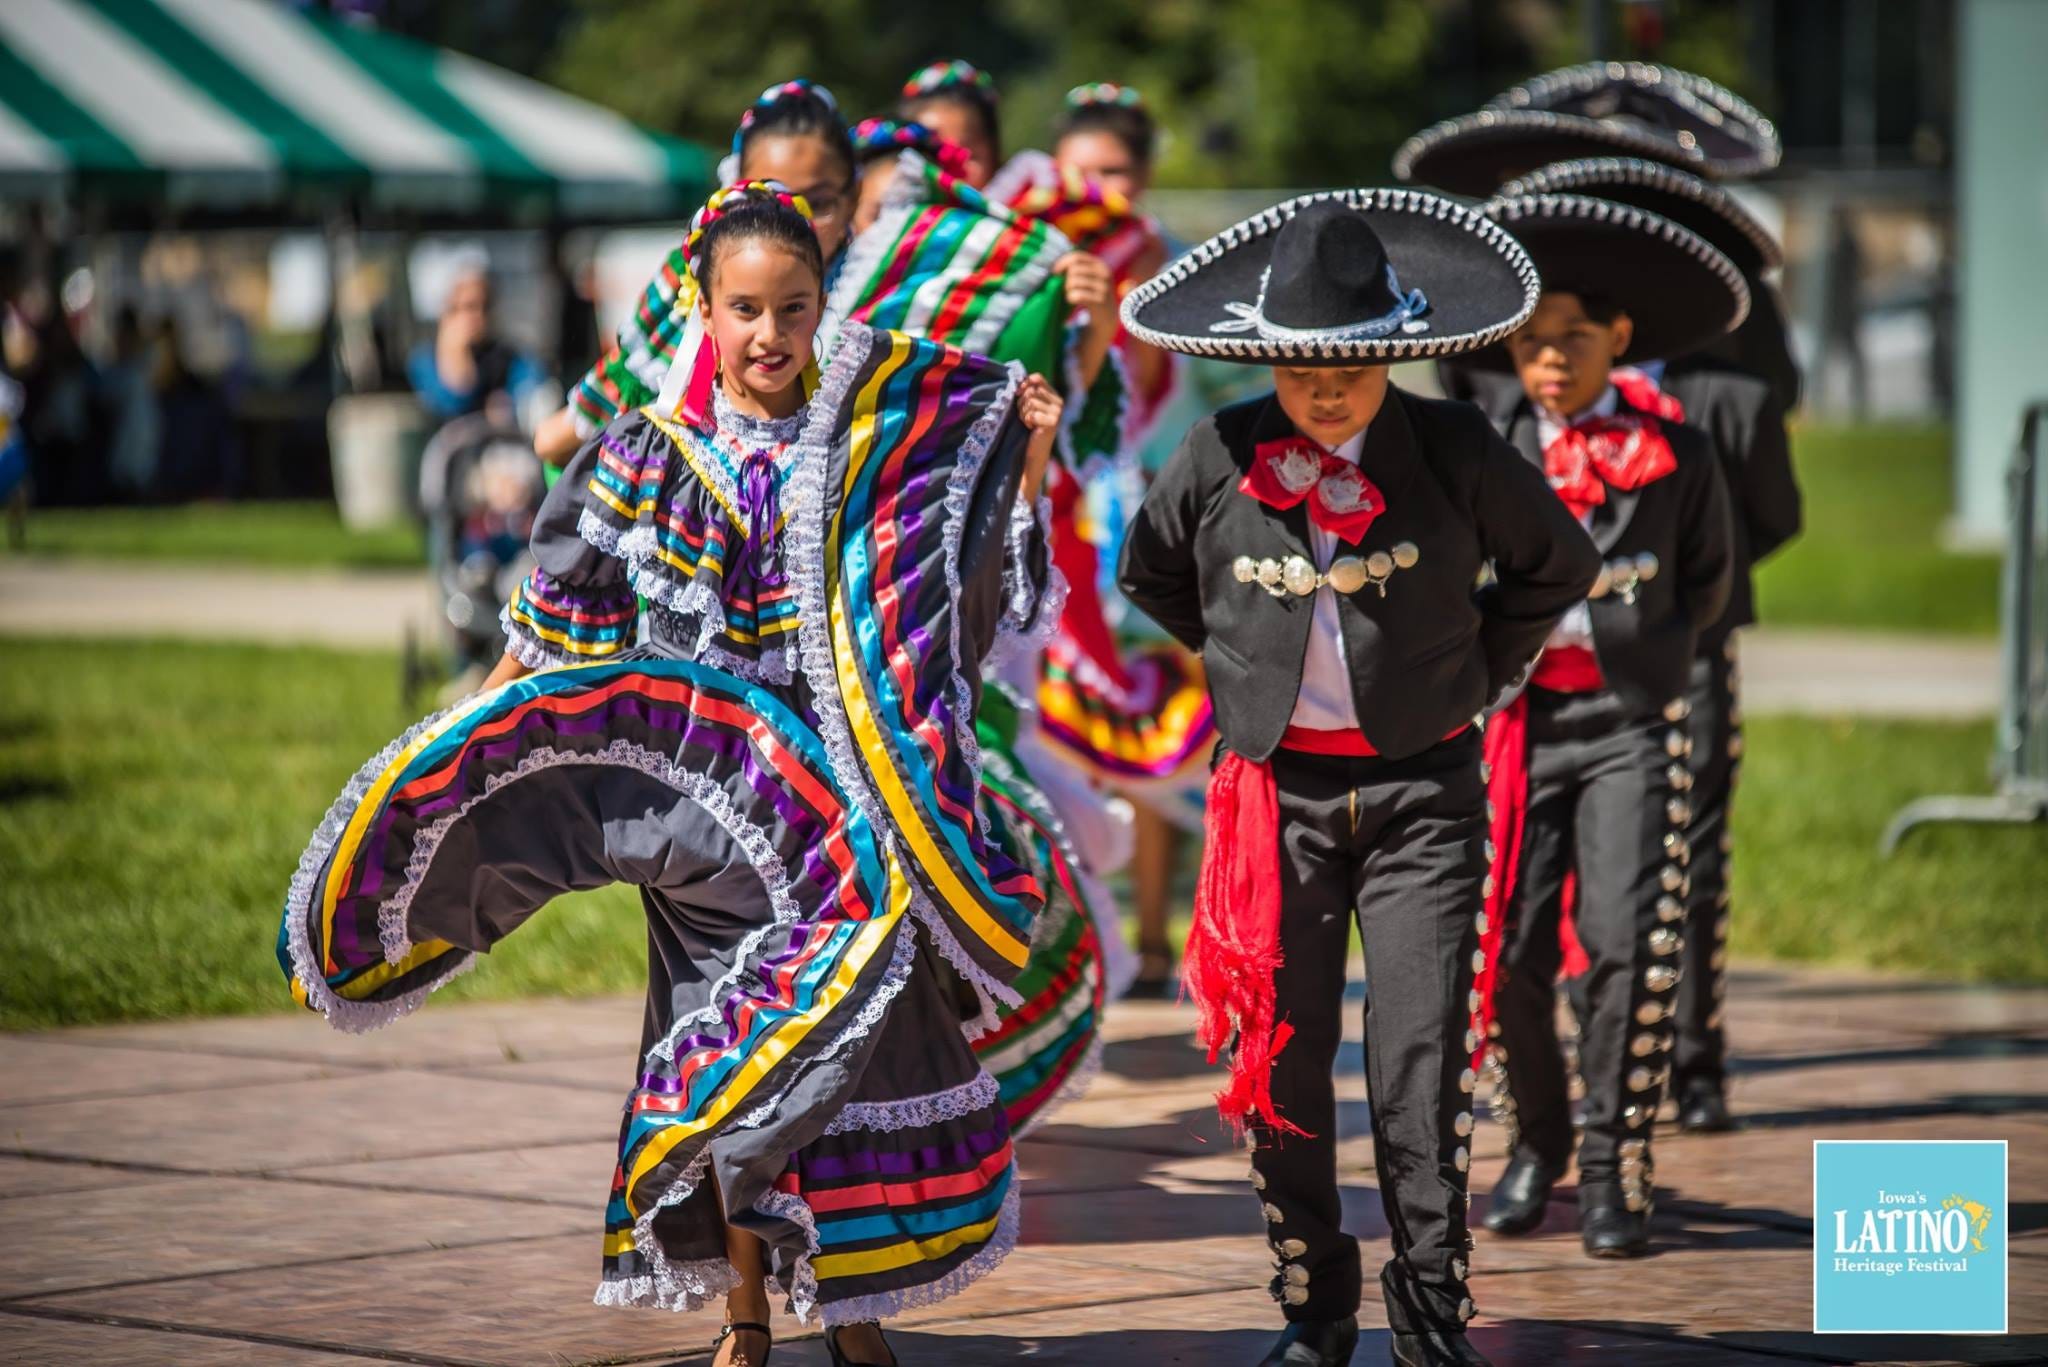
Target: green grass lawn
155,797
1870,557
297,533
153,801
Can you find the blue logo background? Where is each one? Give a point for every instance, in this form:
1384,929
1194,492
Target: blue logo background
1880,1289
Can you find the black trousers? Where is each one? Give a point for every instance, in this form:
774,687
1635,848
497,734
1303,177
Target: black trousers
1607,805
1716,725
1399,847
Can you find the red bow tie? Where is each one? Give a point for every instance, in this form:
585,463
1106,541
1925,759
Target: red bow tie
1341,500
1627,451
1642,392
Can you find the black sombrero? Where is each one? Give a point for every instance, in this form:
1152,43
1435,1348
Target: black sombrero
1598,109
1668,192
1679,292
1339,278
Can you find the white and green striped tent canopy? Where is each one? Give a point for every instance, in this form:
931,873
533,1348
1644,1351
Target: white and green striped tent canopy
249,106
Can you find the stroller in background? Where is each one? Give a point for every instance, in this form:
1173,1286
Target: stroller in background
480,489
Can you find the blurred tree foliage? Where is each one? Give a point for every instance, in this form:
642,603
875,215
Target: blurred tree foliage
1251,92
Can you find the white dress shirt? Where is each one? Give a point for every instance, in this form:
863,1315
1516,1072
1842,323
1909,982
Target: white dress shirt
1324,703
1575,628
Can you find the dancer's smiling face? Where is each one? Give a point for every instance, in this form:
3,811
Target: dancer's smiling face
761,304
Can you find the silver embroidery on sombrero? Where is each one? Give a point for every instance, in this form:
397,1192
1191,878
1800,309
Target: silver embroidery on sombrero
1404,317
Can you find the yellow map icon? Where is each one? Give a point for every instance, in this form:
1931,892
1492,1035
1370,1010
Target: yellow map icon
1980,1218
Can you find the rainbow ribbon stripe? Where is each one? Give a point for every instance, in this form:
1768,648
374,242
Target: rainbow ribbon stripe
1153,730
944,263
891,612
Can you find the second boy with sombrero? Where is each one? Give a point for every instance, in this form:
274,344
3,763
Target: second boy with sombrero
1736,391
1320,546
1589,774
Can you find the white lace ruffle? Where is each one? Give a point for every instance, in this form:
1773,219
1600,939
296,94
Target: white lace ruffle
684,1286
772,668
1031,611
354,1017
889,1304
803,1279
960,487
933,1108
747,428
527,648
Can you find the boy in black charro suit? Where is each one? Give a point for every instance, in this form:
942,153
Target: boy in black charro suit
1590,780
1320,547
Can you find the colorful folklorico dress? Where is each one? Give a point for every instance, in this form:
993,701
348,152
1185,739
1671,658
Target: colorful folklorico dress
942,261
940,264
789,770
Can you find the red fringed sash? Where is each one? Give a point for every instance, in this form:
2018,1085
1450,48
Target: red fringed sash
1233,946
1507,796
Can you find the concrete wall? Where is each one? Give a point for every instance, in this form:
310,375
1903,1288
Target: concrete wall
2001,245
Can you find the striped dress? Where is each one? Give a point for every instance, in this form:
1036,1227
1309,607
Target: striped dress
840,899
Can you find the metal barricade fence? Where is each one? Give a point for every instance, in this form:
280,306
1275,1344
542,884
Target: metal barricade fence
2019,758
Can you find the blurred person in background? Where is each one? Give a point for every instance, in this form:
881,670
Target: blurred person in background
128,388
467,368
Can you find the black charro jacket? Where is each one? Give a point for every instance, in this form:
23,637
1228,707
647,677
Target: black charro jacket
1744,417
1646,641
1746,422
1427,655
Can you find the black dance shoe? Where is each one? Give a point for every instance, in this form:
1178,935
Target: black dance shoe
1703,1107
733,1327
1519,1198
840,1359
1437,1348
1607,1227
1314,1343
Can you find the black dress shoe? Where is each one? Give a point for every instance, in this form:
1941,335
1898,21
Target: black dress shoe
1314,1343
1437,1348
1703,1108
1519,1198
1607,1227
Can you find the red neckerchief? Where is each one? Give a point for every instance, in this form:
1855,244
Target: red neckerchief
1638,390
1626,451
1340,498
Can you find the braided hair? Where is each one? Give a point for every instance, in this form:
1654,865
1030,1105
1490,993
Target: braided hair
877,139
1106,107
750,211
794,109
957,83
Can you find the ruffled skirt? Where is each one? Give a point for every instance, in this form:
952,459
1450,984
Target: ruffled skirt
807,1068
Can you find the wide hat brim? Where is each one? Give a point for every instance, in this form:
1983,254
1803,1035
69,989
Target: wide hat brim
1685,199
1475,154
1596,110
1730,136
1679,292
1479,283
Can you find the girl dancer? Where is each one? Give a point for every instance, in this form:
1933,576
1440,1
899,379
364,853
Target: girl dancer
789,772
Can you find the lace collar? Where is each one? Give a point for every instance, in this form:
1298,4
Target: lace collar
752,431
